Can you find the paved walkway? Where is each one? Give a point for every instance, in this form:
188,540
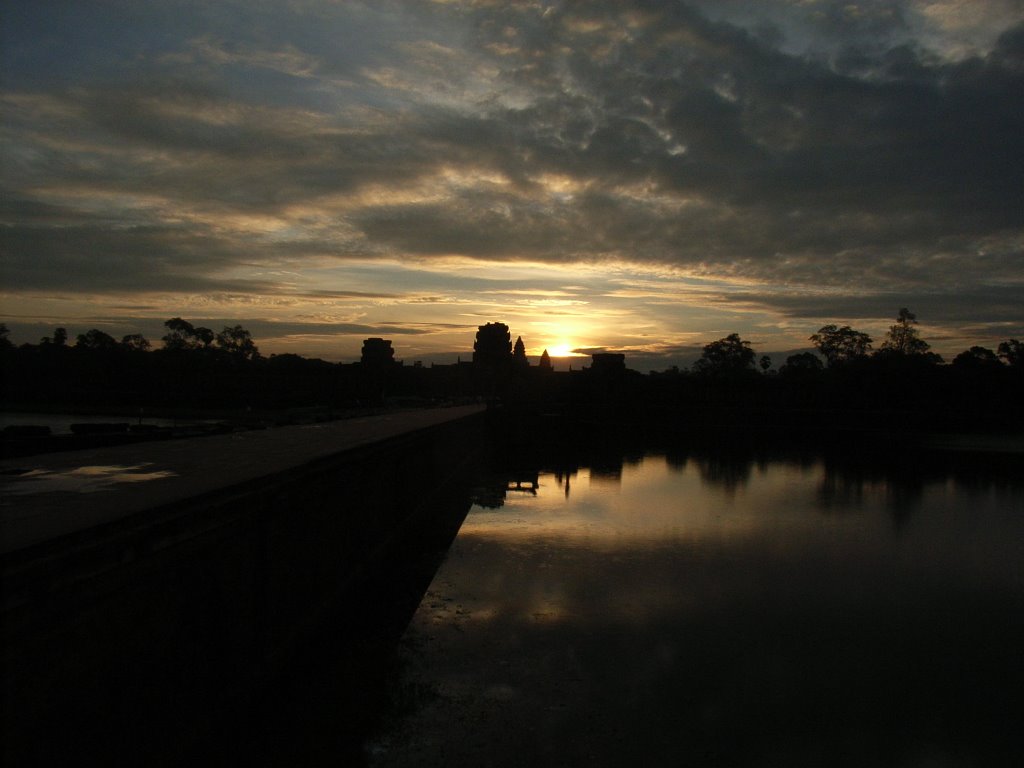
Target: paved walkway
49,495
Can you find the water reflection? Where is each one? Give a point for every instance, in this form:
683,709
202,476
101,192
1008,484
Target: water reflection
84,479
845,483
727,471
693,608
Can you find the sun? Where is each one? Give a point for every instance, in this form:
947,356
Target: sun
560,338
562,349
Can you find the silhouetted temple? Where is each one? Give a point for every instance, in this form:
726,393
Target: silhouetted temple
377,353
493,346
608,362
519,354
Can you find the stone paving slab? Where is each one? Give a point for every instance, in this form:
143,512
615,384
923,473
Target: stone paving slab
49,495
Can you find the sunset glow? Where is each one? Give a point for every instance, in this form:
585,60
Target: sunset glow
564,349
597,176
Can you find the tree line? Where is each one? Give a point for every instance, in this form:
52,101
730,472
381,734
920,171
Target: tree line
234,341
198,368
493,348
840,346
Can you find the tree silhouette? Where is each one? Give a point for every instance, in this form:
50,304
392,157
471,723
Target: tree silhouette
728,356
5,343
96,340
237,342
841,345
903,338
1012,353
977,358
135,342
183,335
205,336
801,364
59,339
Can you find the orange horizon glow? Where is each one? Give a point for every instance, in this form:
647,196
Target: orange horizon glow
562,349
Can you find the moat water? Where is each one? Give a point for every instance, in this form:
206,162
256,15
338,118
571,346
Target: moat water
682,609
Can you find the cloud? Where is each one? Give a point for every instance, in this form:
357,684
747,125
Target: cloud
852,150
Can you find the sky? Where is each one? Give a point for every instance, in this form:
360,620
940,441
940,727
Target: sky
640,177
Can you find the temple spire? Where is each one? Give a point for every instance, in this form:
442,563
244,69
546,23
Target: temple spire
545,361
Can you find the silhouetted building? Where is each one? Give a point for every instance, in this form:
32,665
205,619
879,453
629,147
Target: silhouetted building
493,346
608,362
377,353
519,354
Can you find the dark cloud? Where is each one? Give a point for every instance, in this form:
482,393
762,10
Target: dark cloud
103,257
325,294
787,144
277,329
1004,305
785,156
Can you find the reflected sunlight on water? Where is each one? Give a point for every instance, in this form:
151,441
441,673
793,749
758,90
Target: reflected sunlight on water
85,479
716,611
654,501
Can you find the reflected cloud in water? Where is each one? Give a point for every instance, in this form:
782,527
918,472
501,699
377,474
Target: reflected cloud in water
690,609
843,485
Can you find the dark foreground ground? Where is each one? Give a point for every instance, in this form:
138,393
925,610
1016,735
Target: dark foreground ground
215,601
346,682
